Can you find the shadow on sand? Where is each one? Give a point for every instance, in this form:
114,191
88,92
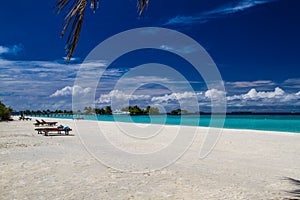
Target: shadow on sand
295,194
57,135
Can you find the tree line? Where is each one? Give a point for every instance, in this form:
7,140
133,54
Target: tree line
46,112
135,110
132,110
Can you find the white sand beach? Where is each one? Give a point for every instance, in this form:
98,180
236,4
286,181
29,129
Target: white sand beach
244,164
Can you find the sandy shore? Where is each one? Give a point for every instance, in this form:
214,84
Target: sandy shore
244,164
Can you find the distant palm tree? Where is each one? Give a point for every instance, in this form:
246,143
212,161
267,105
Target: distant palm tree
75,17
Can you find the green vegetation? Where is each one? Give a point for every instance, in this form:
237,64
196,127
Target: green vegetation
153,111
102,111
47,112
88,110
178,112
135,110
5,113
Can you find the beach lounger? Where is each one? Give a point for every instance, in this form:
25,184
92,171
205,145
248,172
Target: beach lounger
49,123
46,131
24,118
38,123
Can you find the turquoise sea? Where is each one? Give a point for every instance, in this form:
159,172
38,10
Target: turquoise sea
286,123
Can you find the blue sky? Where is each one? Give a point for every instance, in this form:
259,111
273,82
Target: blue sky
254,43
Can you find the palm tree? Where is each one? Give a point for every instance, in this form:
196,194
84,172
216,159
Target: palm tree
75,17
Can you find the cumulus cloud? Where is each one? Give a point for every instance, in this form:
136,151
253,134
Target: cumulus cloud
192,100
215,94
275,99
212,94
253,98
56,79
254,95
175,96
118,95
231,8
69,90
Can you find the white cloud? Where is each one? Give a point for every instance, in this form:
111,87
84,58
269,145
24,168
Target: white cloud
56,79
276,99
71,59
69,90
175,96
245,84
3,50
184,49
237,7
118,95
186,20
254,95
292,83
191,100
201,96
28,84
10,50
215,94
219,12
144,80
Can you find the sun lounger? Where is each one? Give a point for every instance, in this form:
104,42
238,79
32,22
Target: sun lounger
24,118
38,123
46,131
49,123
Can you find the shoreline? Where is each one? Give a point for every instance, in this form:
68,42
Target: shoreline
176,125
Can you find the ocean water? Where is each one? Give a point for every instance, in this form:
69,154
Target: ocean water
285,123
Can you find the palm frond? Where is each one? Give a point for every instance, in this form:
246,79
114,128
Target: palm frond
76,16
142,4
61,4
94,5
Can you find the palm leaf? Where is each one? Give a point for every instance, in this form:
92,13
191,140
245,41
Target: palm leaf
141,5
75,17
